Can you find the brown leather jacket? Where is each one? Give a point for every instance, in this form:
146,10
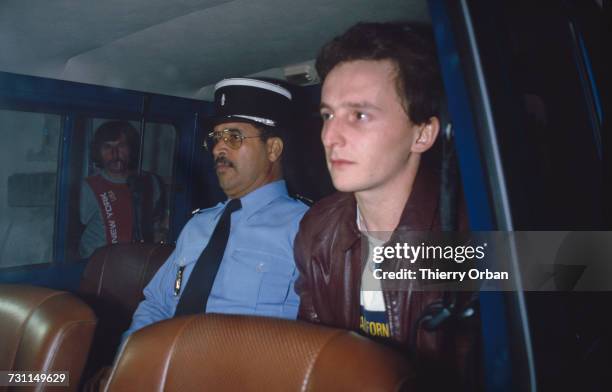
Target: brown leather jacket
328,256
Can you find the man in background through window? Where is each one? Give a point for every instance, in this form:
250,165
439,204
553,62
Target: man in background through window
117,205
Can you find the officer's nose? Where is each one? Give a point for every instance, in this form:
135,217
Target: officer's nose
220,147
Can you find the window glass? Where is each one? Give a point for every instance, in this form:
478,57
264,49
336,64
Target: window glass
29,146
548,144
116,204
158,158
550,150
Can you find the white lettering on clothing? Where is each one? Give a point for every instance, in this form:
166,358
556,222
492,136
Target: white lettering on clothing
108,209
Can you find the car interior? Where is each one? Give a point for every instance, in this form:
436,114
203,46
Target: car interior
67,66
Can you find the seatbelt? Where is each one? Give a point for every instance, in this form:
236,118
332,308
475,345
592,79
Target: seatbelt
134,184
448,182
141,188
438,313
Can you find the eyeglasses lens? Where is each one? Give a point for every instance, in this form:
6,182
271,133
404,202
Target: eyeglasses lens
230,137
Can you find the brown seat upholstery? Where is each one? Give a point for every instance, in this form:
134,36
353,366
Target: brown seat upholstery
112,284
44,330
240,353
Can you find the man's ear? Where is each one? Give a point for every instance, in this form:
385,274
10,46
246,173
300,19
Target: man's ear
426,135
274,147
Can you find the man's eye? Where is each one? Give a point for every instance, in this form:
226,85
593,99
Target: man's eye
361,116
234,137
326,116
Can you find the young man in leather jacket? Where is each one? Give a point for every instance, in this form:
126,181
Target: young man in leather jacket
379,105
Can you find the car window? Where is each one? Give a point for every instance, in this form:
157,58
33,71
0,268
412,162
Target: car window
157,165
29,150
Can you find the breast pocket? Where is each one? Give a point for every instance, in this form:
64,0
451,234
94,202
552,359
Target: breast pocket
266,277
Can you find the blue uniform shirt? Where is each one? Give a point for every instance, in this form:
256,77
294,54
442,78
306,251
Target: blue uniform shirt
257,273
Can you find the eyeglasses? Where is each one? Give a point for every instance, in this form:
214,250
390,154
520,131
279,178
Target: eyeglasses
231,137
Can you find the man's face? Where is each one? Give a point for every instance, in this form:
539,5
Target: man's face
241,171
116,157
367,135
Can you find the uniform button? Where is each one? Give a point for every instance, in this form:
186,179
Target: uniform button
260,267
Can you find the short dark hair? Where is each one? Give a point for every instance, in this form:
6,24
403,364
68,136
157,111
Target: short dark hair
111,131
410,47
267,132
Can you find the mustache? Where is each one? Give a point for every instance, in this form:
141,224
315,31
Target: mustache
222,160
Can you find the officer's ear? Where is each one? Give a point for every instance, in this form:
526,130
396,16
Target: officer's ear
274,148
426,135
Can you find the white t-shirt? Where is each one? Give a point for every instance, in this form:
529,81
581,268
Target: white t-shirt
373,320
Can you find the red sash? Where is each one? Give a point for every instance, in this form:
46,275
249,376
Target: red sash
115,202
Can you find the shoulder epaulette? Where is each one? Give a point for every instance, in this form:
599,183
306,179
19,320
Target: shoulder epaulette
303,199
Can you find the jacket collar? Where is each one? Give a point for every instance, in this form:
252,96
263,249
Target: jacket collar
348,232
420,212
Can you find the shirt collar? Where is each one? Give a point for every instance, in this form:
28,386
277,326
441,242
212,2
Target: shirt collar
111,179
261,197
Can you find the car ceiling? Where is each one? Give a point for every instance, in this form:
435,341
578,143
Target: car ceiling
179,47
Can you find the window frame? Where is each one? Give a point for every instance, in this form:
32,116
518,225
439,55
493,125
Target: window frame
72,101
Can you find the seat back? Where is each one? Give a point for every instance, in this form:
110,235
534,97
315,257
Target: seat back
44,330
112,285
240,353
